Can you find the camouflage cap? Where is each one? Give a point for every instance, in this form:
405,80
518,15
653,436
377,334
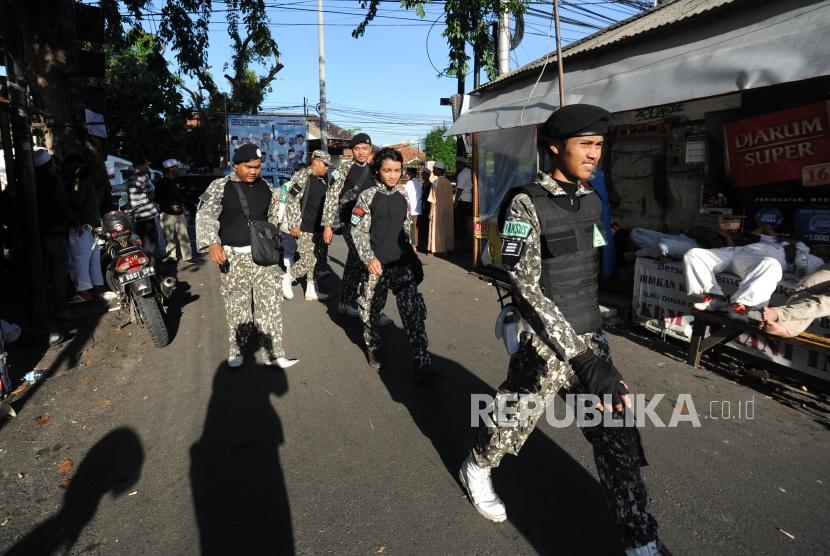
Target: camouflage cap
322,156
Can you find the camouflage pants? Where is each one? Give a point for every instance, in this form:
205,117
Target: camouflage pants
411,306
617,450
244,283
313,253
354,273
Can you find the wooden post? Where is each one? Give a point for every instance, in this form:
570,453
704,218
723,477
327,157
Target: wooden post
474,171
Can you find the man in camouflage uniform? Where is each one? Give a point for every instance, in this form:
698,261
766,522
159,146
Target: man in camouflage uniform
351,177
303,211
381,226
222,228
550,233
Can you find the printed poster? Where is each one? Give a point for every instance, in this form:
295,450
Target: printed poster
282,139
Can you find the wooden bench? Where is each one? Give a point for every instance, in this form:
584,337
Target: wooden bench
724,329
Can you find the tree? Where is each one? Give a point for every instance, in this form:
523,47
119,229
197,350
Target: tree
467,21
439,148
145,116
47,37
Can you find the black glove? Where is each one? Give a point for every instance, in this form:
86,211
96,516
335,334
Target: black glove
598,376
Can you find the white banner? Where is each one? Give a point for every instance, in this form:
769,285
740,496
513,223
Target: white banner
660,303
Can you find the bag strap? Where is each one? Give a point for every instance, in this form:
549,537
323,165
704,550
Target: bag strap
364,170
242,201
309,177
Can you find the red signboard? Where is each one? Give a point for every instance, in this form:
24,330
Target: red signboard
776,147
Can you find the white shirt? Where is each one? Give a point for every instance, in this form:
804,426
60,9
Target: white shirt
413,196
770,247
464,184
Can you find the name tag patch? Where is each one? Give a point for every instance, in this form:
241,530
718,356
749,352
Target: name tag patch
518,229
599,239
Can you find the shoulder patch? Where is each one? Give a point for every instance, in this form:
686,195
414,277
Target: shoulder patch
518,229
357,215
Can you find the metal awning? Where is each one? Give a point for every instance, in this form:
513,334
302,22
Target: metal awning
756,46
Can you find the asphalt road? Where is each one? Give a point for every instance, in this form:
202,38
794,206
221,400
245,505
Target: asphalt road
173,453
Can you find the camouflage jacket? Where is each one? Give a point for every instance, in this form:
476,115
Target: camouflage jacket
293,206
210,207
333,196
521,233
362,224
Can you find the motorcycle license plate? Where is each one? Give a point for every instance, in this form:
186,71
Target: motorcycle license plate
136,275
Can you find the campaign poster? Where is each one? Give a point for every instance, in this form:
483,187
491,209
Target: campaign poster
281,139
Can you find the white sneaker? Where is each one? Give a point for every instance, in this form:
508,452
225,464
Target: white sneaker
284,362
287,290
235,361
479,487
346,309
384,320
311,293
650,549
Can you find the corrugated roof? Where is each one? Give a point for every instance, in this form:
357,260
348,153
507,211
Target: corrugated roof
669,13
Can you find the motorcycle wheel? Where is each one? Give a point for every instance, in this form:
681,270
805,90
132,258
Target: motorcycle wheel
150,314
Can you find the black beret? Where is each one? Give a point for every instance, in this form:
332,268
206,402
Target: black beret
360,138
246,152
575,120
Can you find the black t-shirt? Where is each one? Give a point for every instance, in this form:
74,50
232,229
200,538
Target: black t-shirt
233,226
315,193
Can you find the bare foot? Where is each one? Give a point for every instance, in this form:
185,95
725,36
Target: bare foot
775,329
770,314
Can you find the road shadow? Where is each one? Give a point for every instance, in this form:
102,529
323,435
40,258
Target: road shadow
112,465
25,354
238,486
352,327
551,499
180,297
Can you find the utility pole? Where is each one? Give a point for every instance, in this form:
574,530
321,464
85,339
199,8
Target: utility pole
559,54
504,43
324,125
23,174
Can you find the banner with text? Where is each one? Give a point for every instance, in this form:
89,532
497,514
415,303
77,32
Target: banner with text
778,147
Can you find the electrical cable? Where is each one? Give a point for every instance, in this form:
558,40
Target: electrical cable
545,65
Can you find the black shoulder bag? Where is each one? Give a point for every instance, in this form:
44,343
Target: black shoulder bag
265,237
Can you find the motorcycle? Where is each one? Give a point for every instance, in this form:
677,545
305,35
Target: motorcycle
130,272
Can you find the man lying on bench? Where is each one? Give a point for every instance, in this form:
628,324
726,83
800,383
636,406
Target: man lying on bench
760,266
809,301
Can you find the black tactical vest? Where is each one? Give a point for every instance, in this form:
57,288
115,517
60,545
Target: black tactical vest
569,261
387,236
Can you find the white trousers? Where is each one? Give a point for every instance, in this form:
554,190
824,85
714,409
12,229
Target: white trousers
759,274
84,260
